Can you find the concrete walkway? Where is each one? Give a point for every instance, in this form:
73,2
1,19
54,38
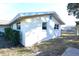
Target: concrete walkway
71,52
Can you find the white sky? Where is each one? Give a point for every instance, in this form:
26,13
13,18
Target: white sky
9,8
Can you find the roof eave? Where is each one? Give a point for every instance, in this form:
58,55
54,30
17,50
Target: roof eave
53,13
58,18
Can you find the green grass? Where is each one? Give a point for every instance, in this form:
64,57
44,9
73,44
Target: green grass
66,34
71,41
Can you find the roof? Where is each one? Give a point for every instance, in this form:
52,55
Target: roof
32,14
4,22
57,18
28,14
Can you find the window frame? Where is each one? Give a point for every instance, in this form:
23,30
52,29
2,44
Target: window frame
18,25
56,26
50,16
44,25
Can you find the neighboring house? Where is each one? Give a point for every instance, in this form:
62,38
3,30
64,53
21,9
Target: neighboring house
69,29
3,25
77,27
35,27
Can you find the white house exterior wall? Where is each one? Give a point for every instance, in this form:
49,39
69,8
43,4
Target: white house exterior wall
51,32
32,32
57,32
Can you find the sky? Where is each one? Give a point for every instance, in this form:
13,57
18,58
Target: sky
10,8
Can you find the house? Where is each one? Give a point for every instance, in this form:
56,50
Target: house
3,25
35,27
77,27
69,29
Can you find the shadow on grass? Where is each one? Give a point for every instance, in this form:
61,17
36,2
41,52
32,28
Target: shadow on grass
8,44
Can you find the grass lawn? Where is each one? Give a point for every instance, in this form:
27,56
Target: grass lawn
15,52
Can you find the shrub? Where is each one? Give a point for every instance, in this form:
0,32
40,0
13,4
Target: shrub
8,33
12,35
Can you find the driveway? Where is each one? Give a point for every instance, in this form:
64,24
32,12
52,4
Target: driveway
71,52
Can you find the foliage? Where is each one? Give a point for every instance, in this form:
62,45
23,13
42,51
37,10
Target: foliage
12,35
8,33
73,9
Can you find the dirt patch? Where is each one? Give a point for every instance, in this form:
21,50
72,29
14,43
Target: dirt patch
51,48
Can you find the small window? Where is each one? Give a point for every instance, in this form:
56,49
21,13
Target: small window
56,26
50,17
44,25
18,25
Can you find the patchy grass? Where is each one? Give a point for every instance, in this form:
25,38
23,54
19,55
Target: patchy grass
68,34
51,48
15,52
72,43
24,51
56,47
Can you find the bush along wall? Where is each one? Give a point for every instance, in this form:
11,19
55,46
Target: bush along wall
12,35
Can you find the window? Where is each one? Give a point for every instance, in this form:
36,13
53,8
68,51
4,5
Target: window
56,26
50,17
18,25
44,25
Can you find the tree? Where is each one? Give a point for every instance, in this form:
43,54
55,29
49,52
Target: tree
73,9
